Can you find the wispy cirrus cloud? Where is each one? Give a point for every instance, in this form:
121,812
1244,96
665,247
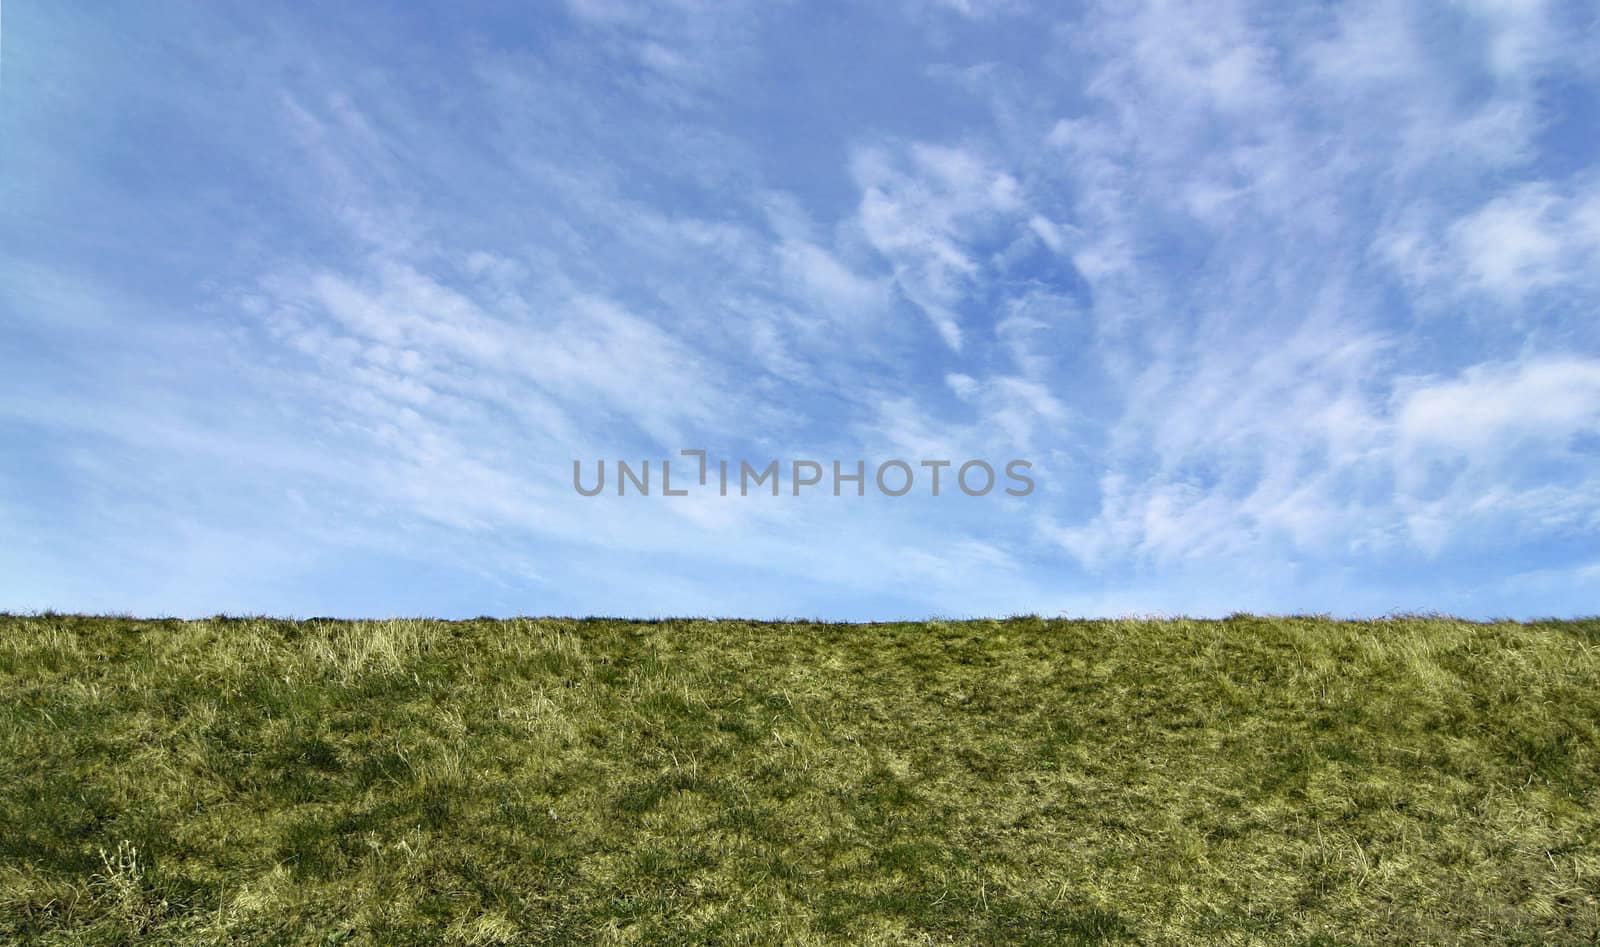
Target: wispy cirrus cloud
1290,309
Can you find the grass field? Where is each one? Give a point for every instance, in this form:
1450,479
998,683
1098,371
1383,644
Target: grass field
1274,781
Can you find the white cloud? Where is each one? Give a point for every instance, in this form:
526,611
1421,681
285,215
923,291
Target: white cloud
922,209
1448,455
1535,237
1530,239
593,357
839,292
1254,408
1521,35
1500,409
976,9
964,386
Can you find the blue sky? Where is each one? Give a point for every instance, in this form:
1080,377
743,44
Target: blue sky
308,310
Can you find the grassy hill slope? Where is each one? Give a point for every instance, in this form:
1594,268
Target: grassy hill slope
1254,780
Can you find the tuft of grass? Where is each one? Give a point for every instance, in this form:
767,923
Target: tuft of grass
1289,780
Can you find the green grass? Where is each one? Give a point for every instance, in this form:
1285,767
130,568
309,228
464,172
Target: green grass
1273,781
